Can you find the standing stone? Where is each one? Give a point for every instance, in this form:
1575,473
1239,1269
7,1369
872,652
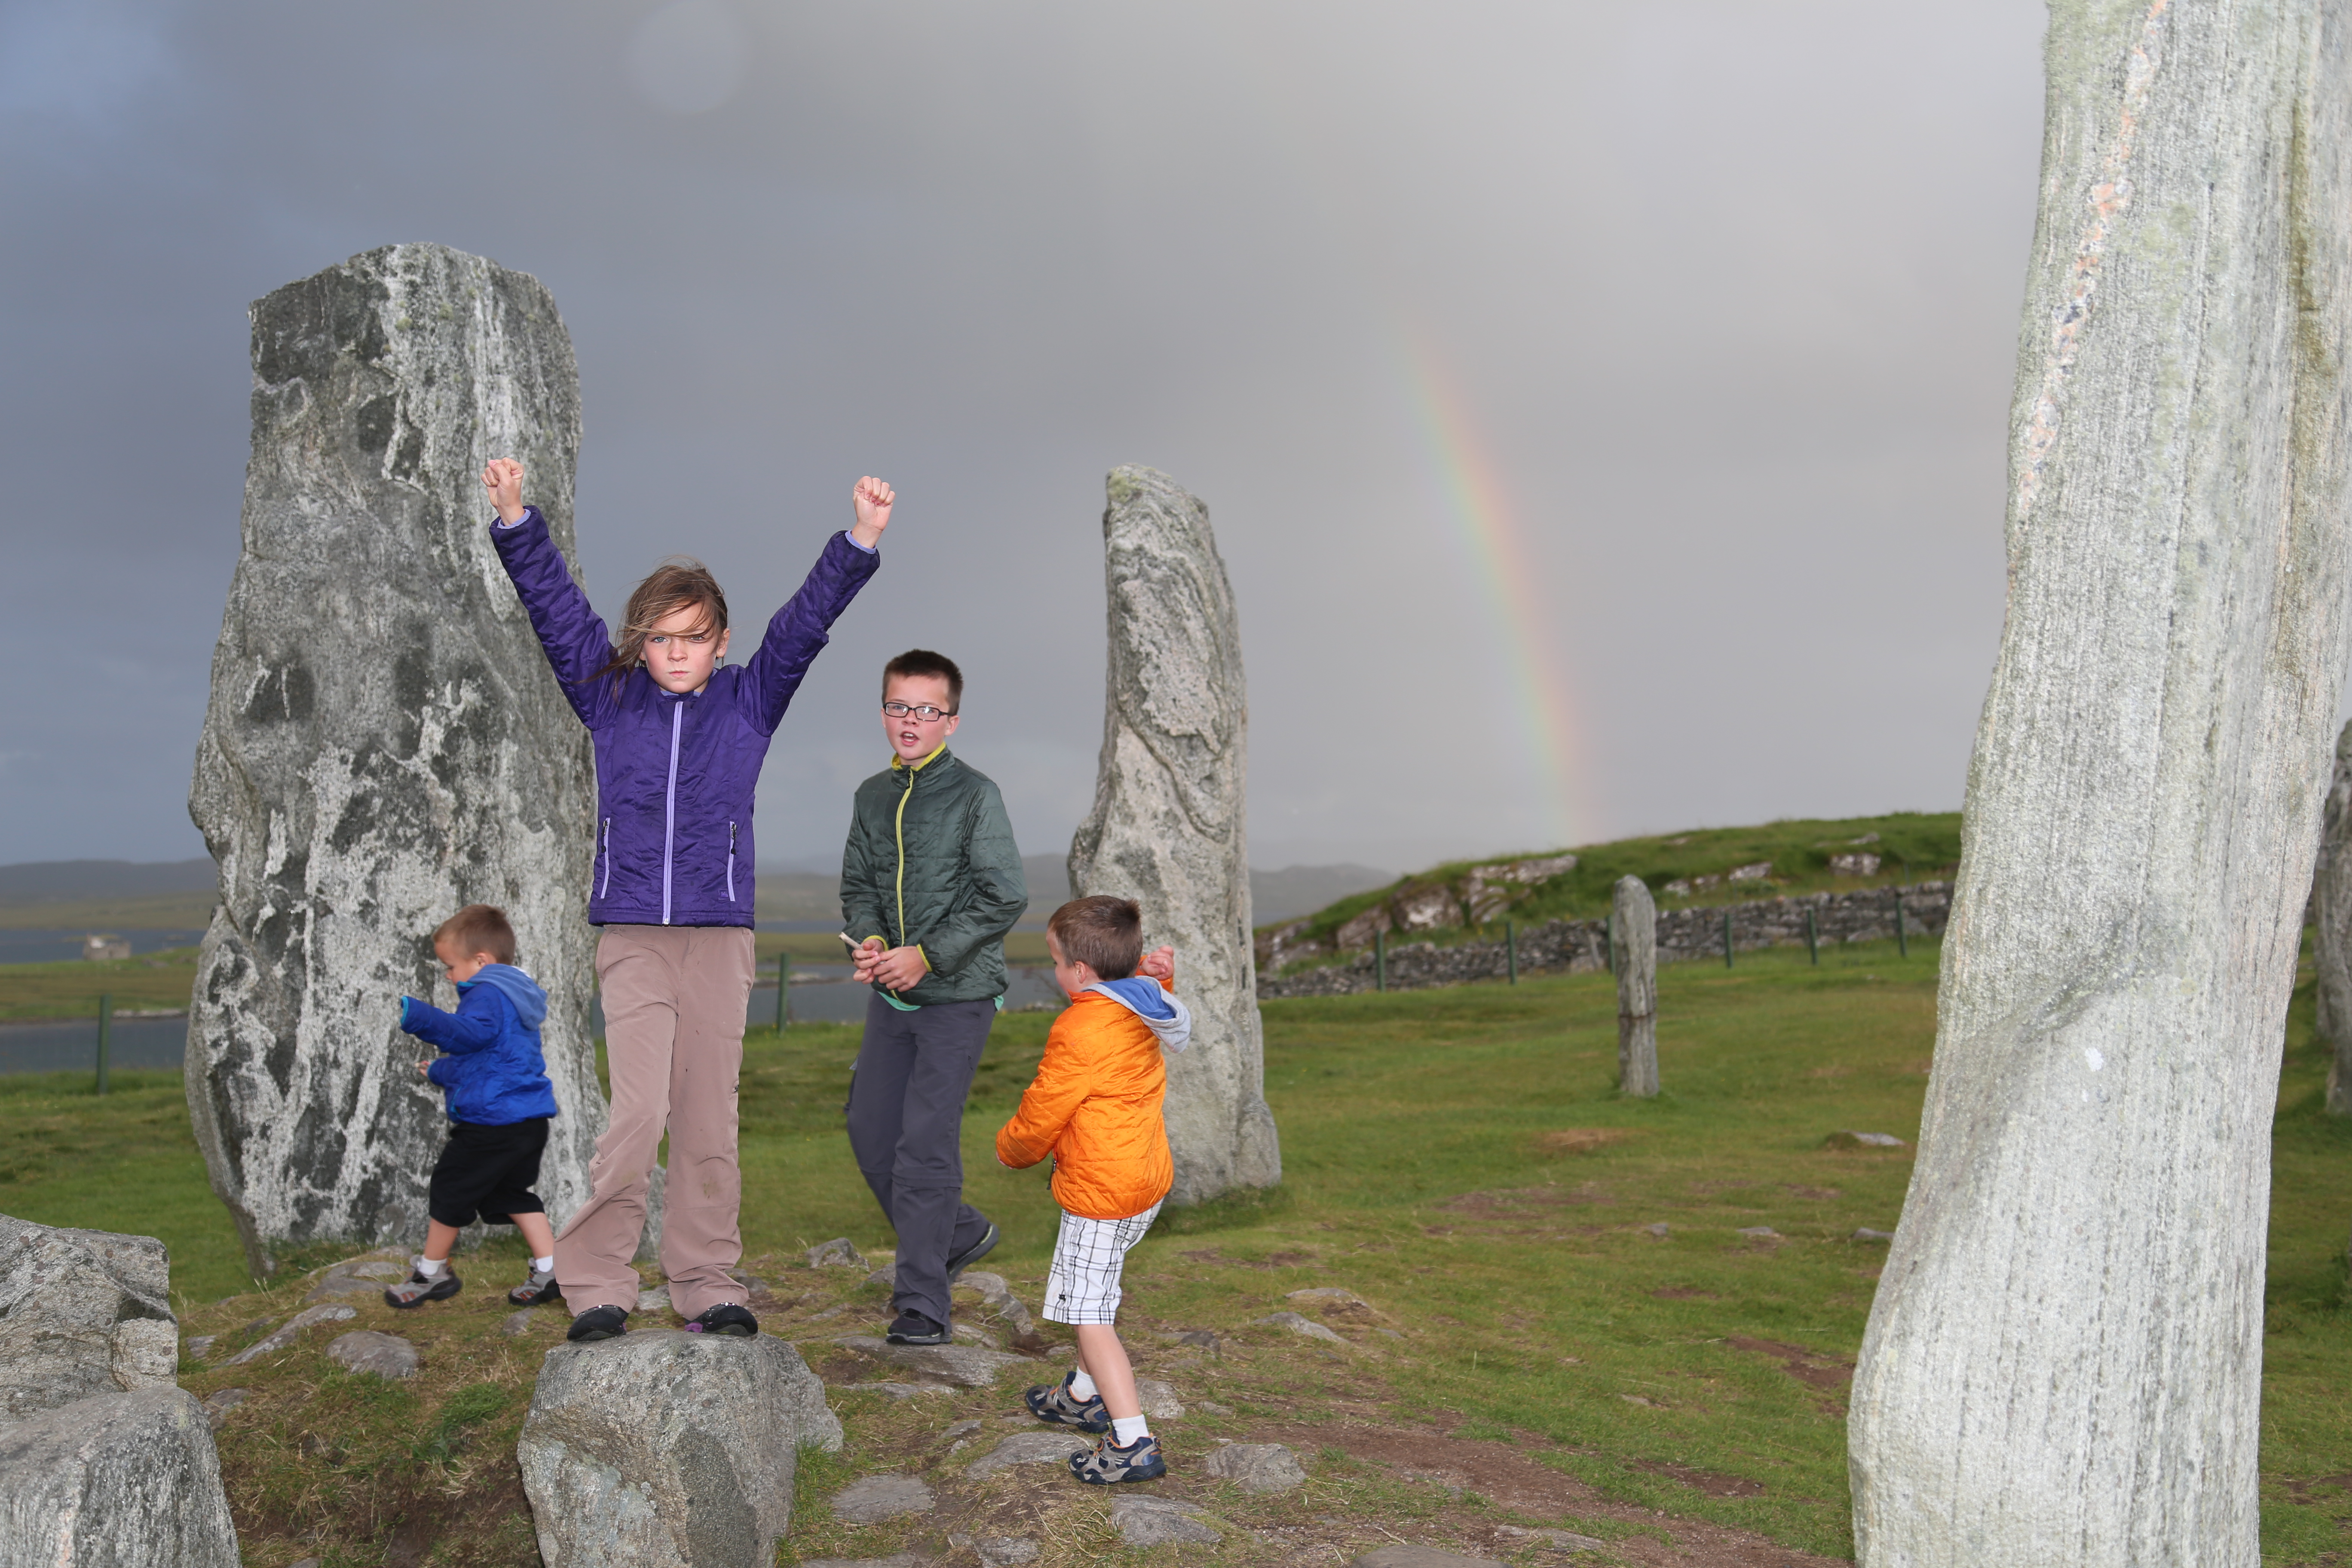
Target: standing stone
2331,937
81,1312
384,744
2063,1360
1168,827
669,1451
1634,929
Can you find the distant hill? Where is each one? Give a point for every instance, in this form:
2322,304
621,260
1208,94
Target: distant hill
796,895
78,881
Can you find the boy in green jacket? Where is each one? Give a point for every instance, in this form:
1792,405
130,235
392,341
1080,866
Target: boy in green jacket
930,881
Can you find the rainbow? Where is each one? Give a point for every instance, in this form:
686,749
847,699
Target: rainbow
1470,487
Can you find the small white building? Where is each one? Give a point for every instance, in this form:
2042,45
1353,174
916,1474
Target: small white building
105,947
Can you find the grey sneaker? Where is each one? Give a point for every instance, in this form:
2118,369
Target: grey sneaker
416,1290
1109,1464
537,1290
1063,1408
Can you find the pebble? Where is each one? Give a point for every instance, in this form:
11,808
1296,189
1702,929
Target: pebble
835,1254
221,1401
962,1430
1558,1540
519,1322
1160,1401
1211,1408
1257,1466
1157,1521
1005,1551
1661,1230
873,1499
1298,1324
1760,1233
365,1350
1328,1295
1863,1141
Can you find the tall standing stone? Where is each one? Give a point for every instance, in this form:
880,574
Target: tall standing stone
1168,827
2331,943
2063,1360
1633,930
384,744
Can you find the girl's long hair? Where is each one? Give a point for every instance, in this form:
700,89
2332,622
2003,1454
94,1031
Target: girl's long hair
680,582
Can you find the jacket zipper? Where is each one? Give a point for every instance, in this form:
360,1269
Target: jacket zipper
606,886
899,829
669,805
730,862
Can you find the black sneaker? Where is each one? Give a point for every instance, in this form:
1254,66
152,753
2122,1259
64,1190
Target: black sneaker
912,1328
536,1291
1109,1464
728,1319
972,1253
1063,1408
416,1290
598,1323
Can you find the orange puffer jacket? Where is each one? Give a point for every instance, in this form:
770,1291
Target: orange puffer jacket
1095,1107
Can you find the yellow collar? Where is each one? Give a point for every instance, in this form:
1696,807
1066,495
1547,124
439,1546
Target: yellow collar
896,762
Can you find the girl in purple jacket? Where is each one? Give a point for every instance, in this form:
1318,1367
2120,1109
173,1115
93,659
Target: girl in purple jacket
680,737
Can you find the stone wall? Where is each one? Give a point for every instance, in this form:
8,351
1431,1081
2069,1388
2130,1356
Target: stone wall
1577,947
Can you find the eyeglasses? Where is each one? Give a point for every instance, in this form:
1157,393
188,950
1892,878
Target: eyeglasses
922,710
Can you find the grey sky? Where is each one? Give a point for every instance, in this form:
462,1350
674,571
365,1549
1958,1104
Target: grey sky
1717,300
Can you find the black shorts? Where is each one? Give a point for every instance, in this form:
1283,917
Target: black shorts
490,1171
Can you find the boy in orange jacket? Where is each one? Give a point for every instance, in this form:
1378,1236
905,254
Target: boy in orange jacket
1095,1107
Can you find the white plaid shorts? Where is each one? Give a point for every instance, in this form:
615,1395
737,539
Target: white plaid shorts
1083,1285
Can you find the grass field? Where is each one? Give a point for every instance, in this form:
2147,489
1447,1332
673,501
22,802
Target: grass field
1458,1158
70,989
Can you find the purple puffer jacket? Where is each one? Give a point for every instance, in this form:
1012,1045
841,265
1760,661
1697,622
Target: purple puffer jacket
675,773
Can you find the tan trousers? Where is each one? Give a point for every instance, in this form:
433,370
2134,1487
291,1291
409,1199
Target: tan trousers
675,998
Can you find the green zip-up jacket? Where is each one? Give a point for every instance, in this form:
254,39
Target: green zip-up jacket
932,864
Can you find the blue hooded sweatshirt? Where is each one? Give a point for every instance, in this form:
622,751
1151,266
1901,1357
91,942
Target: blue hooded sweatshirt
494,1075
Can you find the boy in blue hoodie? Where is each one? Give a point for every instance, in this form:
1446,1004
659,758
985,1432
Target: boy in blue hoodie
499,1100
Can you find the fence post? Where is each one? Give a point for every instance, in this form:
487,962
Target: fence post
783,989
1902,943
1609,942
1727,936
1380,961
1813,938
105,1032
1511,950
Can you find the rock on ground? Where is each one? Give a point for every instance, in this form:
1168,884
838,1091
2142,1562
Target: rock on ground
1403,1556
384,744
1633,955
365,1350
1160,1401
81,1312
895,1560
1299,1323
835,1254
870,1500
115,1480
966,1366
1257,1466
1157,1521
291,1330
668,1449
221,1401
1168,827
1029,1448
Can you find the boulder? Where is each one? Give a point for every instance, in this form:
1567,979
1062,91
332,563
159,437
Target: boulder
1633,955
1167,828
1157,1521
873,1499
668,1449
82,1312
115,1480
384,744
365,1350
1257,1466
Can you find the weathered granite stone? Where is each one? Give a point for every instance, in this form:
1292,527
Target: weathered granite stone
115,1480
82,1312
2331,936
384,744
1159,1399
1257,1466
1029,1448
1157,1521
285,1337
1403,1555
1167,828
870,1500
965,1366
365,1350
1634,942
668,1449
835,1254
221,1401
1298,1323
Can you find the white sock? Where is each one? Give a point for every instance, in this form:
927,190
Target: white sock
1081,1387
544,1264
1126,1429
430,1268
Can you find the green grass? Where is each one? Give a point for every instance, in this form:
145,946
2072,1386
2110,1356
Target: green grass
70,988
141,912
1459,1158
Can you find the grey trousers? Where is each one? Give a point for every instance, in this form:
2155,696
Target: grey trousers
906,1129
